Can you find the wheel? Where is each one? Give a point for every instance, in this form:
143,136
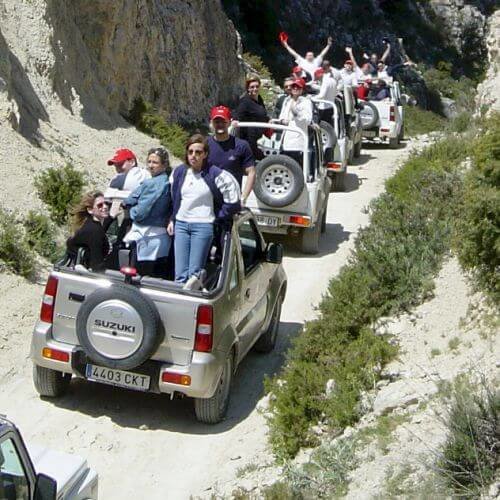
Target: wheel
323,218
351,155
369,115
339,181
328,137
267,340
212,410
357,149
310,238
279,180
50,383
119,327
401,135
393,142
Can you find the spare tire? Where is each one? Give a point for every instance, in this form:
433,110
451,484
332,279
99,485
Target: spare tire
279,180
119,327
369,115
328,136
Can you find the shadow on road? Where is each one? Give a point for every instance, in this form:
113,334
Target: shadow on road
131,409
362,159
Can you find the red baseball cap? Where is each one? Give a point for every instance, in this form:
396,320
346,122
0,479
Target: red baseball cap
299,82
319,72
283,36
122,155
296,69
220,112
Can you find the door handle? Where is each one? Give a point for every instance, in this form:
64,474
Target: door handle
247,293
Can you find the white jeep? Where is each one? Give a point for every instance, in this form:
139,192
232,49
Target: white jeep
384,119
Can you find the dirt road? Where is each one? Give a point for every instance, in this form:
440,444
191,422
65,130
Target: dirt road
146,445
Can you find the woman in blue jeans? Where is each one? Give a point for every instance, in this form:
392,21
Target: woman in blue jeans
201,196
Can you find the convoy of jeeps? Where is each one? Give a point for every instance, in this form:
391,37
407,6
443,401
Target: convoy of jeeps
154,335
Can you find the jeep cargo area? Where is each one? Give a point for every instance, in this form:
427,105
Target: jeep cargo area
384,119
155,335
35,473
290,194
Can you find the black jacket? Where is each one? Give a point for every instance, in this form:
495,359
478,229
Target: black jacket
249,110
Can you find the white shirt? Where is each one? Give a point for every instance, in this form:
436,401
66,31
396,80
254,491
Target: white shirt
299,115
310,67
197,202
349,78
135,177
327,92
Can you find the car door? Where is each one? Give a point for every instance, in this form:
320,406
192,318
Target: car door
253,287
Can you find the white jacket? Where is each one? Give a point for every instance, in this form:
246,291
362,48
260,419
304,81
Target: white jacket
299,115
327,91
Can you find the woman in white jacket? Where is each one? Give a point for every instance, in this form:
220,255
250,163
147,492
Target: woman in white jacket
297,112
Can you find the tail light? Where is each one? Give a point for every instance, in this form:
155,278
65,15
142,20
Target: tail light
299,220
55,354
49,300
176,378
204,329
331,165
392,114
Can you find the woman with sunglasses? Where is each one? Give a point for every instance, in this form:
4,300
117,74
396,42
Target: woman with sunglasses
90,222
202,194
251,108
150,207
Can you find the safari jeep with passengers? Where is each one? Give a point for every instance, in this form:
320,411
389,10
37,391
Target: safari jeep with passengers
155,335
290,194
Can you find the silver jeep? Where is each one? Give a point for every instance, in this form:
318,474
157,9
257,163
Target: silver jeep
154,335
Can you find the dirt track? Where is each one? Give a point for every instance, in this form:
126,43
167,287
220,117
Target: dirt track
150,446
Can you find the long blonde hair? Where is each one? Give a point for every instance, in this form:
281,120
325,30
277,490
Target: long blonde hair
79,213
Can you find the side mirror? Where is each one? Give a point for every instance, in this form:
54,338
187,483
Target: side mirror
274,253
45,488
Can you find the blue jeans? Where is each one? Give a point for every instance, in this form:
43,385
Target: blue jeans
192,244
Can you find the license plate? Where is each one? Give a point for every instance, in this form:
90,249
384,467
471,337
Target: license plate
369,133
120,378
264,220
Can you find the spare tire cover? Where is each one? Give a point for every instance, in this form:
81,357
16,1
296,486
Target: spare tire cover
279,180
328,136
119,327
369,115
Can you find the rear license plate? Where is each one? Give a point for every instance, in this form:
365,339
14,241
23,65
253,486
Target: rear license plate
119,378
369,133
264,220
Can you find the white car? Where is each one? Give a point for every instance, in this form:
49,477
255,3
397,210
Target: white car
384,119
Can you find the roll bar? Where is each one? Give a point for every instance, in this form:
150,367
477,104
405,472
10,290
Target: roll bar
283,128
335,113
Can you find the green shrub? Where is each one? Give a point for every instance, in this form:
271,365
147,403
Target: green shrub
390,270
421,121
147,120
478,227
41,236
258,65
469,457
60,188
15,252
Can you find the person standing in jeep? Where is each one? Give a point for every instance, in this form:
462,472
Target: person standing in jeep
128,173
230,153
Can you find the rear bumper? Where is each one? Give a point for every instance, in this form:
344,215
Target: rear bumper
204,369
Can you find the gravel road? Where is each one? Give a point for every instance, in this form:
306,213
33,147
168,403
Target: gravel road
150,446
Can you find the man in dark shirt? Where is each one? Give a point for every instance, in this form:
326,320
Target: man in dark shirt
230,153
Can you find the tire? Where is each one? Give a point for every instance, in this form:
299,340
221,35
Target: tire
309,243
339,181
323,218
130,340
280,180
213,410
328,136
50,383
267,340
357,149
369,115
393,142
401,135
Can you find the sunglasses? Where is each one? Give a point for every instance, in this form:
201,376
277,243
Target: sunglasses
295,87
195,152
252,87
288,87
102,205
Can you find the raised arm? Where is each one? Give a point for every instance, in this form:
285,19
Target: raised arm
327,48
290,50
386,53
351,56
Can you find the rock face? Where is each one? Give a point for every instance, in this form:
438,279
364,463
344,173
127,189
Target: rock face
489,89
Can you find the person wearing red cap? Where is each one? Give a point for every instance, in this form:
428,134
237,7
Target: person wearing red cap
230,153
128,173
348,75
251,108
297,112
287,88
327,92
309,63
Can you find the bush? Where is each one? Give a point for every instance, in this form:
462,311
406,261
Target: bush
470,454
390,270
41,236
258,65
147,120
15,252
60,189
421,121
478,227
